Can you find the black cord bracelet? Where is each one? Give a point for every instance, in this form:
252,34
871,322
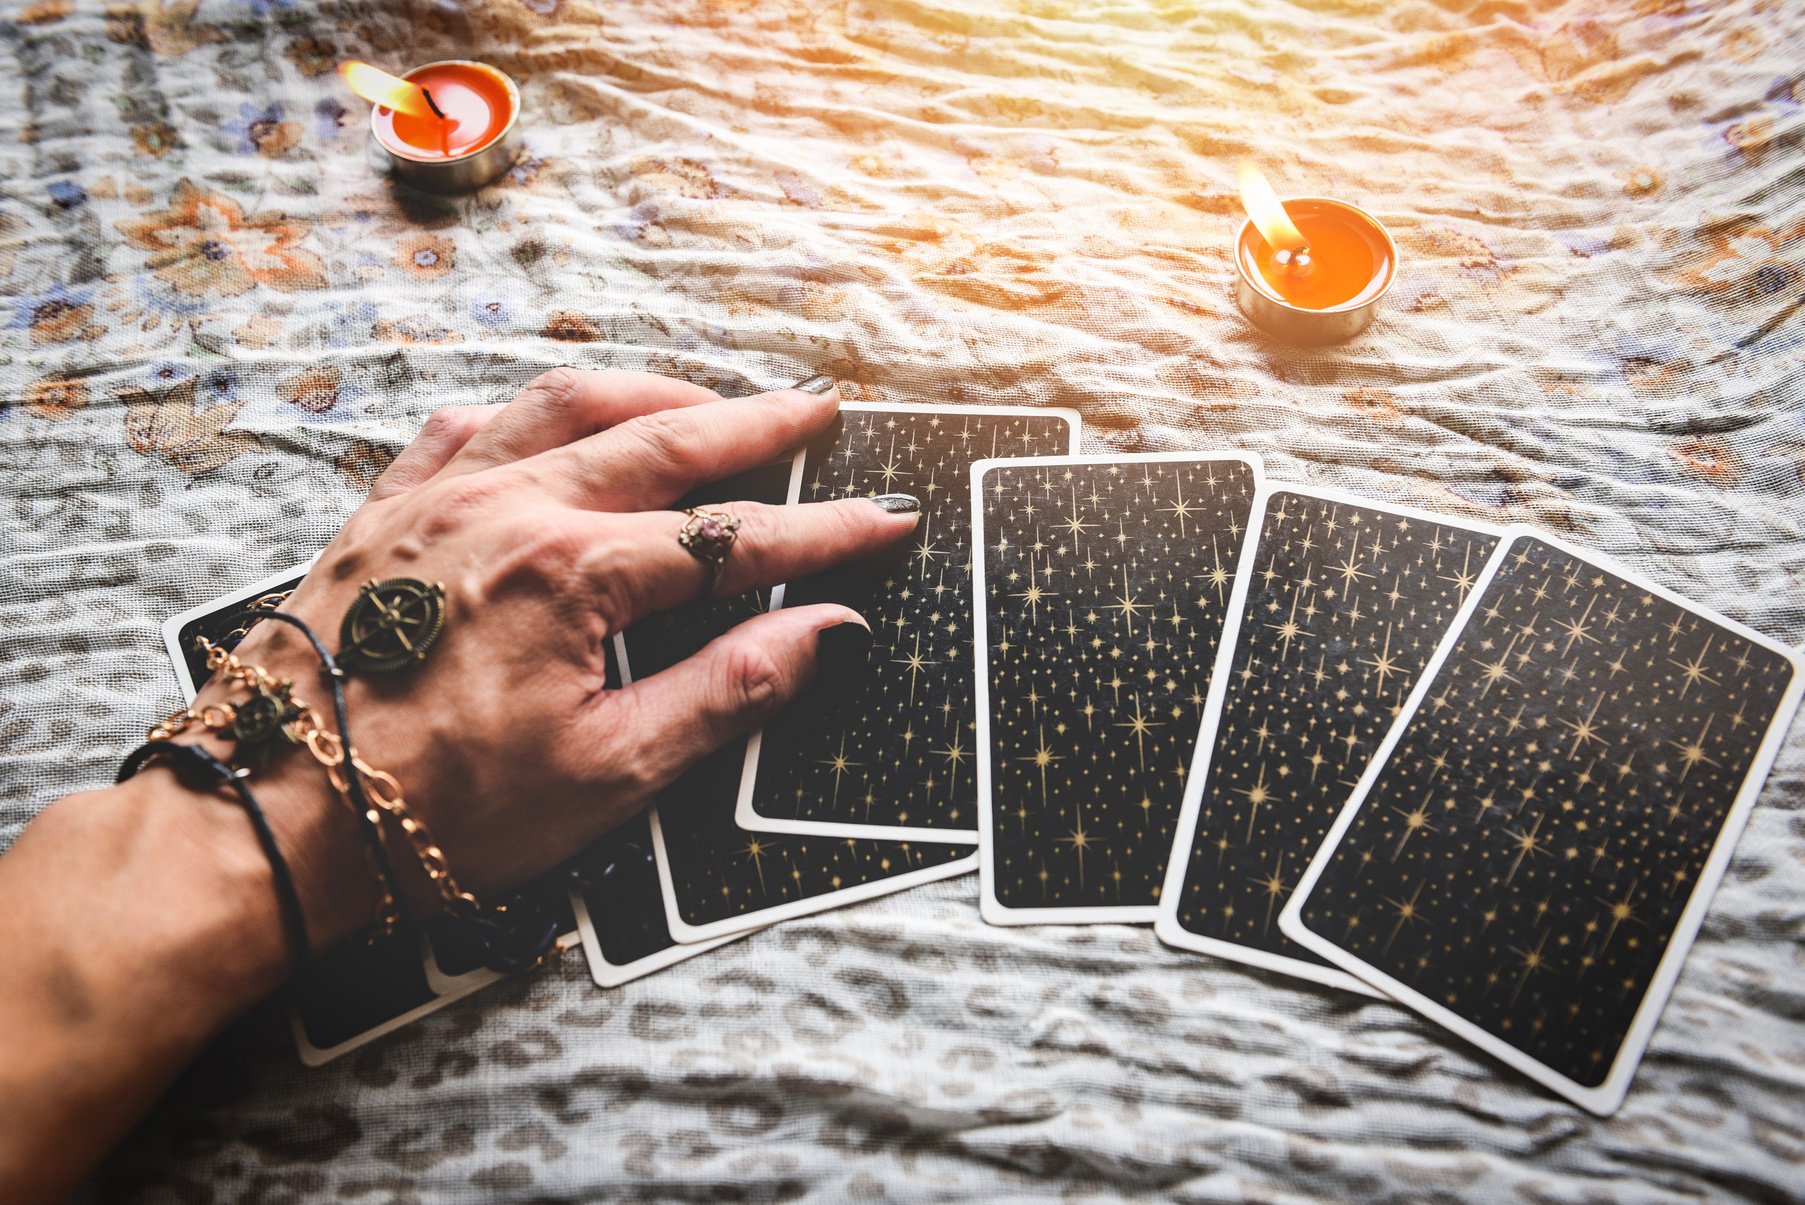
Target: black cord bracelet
335,679
510,940
197,759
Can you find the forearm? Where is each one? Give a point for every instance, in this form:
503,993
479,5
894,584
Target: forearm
139,921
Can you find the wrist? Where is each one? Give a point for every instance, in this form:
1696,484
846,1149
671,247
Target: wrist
181,870
320,844
319,831
142,920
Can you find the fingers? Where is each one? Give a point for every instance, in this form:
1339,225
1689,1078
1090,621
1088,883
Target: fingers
773,544
445,432
653,460
724,691
565,405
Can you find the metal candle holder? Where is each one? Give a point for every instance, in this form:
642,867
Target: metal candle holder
1293,323
463,173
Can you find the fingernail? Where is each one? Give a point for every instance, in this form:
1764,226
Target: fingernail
821,382
842,655
899,504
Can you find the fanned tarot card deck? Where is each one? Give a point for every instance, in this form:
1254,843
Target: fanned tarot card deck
892,760
1530,853
1490,776
1342,603
1102,587
716,877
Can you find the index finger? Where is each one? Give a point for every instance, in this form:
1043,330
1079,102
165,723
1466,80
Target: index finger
649,462
567,404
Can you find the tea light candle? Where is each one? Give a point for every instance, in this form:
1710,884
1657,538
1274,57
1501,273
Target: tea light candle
1310,270
449,126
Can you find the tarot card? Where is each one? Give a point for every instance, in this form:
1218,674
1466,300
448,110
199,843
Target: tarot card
1343,601
620,909
715,877
890,761
215,621
1531,850
1102,588
360,991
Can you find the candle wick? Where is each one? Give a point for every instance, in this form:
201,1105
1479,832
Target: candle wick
433,105
1296,263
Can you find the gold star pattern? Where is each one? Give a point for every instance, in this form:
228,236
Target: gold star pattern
1555,886
1397,581
916,701
718,869
1093,712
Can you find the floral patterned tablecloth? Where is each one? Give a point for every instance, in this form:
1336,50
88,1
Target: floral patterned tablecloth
217,324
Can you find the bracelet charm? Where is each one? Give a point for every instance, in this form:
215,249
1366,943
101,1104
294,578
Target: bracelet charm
391,624
267,714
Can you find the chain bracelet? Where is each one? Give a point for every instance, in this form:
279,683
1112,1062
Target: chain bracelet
381,788
269,602
386,798
297,729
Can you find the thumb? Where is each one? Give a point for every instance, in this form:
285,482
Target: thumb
675,718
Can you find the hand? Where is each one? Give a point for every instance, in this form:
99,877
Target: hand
546,521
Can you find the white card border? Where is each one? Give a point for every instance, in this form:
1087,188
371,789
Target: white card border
1166,926
746,813
687,934
989,907
613,974
1609,1094
172,627
319,1056
463,986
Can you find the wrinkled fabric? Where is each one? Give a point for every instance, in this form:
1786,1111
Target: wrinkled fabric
217,325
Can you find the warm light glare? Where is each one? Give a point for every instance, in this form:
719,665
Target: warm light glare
380,88
1268,214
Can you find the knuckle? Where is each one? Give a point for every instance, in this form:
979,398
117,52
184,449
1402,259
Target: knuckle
669,438
552,547
554,390
634,775
458,502
472,492
440,425
466,421
637,778
755,679
611,591
543,557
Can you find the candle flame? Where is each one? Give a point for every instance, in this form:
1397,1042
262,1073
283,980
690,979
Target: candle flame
1267,212
380,88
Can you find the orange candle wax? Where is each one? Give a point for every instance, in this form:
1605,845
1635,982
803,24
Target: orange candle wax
1351,258
472,105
